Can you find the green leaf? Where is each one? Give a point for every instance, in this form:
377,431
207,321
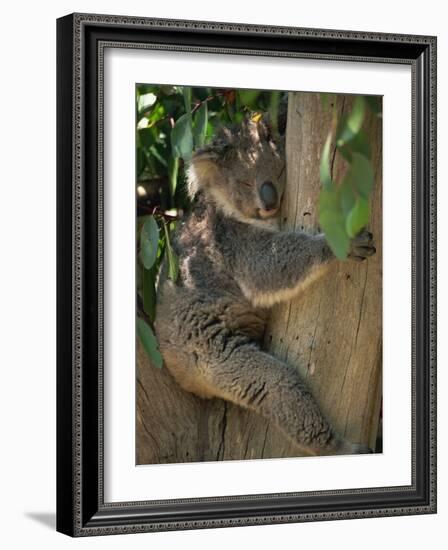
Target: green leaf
149,343
155,153
248,97
358,217
374,103
146,137
161,251
347,197
182,138
149,242
145,101
173,169
360,175
345,152
173,264
353,122
332,222
186,92
140,161
156,113
200,125
173,261
168,89
325,175
149,292
359,144
356,116
238,117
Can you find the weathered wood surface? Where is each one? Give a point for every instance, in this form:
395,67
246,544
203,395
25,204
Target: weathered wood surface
332,333
175,426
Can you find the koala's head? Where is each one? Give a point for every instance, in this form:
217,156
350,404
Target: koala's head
242,172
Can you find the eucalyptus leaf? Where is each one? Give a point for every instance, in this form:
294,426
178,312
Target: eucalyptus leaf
200,125
140,161
149,343
358,217
146,137
145,101
173,264
248,98
155,153
182,138
186,92
360,175
332,222
173,169
359,144
173,261
149,292
149,242
325,175
374,103
238,117
157,112
353,122
347,197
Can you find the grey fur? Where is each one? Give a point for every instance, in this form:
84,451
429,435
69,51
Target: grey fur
234,265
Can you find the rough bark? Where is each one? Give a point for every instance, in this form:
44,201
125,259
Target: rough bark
332,333
175,426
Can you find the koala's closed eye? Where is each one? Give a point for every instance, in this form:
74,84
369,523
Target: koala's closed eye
246,183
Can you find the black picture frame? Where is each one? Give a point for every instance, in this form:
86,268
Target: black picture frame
81,510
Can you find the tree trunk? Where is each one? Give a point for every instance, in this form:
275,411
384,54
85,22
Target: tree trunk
332,332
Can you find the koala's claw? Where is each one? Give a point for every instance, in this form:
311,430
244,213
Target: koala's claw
362,247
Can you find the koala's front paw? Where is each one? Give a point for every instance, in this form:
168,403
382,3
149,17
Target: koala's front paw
362,247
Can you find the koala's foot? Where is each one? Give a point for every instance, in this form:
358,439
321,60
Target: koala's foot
362,247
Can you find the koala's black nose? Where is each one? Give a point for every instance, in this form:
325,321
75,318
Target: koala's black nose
268,195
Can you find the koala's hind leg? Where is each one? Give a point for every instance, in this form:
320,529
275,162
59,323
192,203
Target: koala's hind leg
258,381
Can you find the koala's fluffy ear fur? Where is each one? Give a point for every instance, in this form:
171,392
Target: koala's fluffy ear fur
204,167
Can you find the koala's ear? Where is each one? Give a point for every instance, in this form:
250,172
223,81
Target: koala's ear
215,150
205,154
202,170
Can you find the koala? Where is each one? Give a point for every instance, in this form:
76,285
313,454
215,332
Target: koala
235,264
